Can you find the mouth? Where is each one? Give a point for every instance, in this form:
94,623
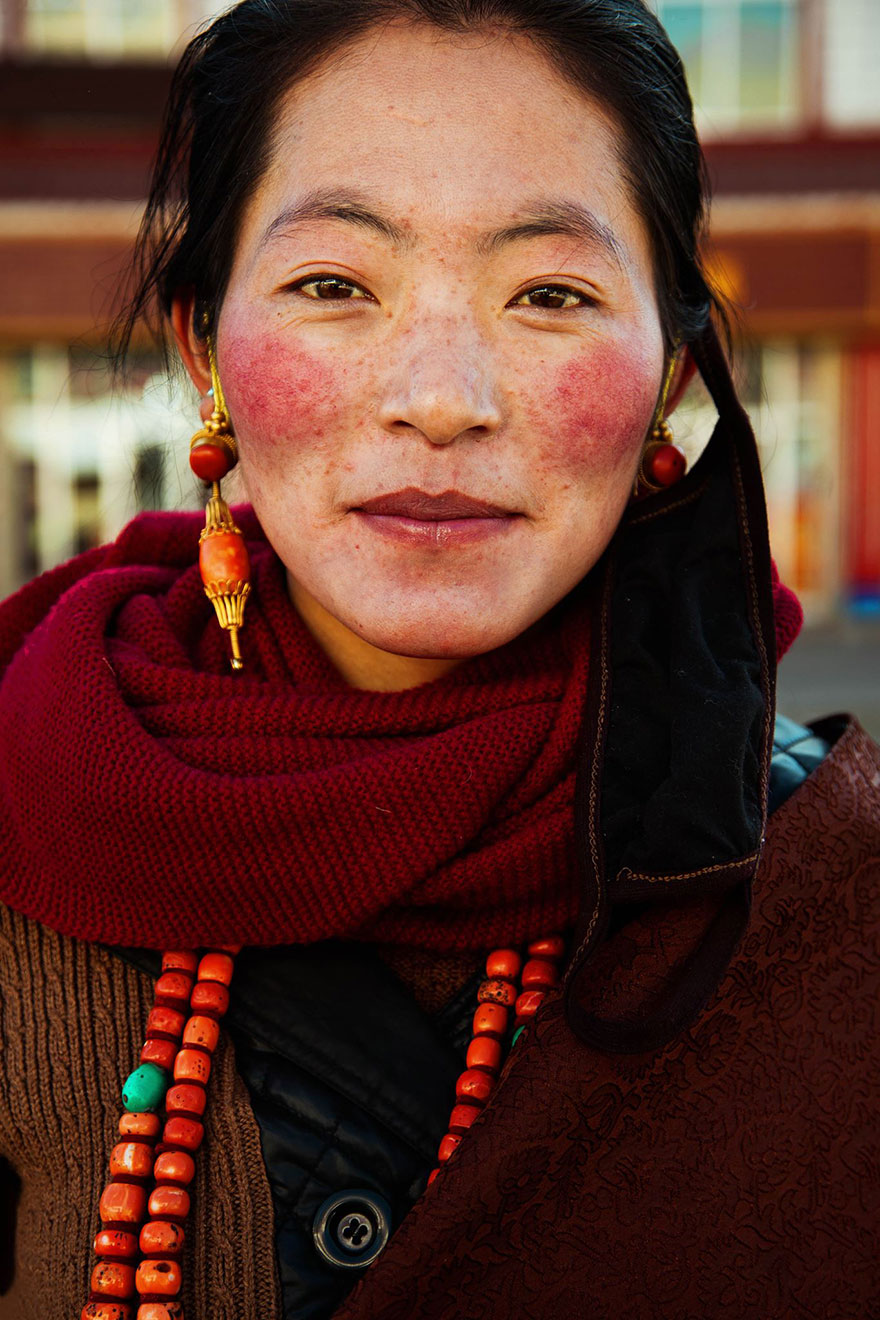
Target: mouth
419,505
414,516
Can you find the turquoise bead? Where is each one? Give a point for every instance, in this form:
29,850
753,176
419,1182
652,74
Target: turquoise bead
144,1090
516,1035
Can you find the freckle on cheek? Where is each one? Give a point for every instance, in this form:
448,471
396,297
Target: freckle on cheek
276,392
600,405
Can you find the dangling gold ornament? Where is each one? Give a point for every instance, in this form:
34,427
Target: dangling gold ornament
662,463
223,558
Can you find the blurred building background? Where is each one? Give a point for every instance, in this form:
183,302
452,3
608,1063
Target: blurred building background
788,101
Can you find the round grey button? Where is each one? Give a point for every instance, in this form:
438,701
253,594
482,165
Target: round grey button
351,1228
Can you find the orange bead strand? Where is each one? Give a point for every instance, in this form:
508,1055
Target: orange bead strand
497,995
150,1176
159,1279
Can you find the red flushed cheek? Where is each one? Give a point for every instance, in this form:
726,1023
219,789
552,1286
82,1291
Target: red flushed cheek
278,395
600,407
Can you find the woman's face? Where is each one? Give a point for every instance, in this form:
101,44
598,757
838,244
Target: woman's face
440,342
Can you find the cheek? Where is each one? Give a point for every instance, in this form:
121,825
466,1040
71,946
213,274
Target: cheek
282,400
600,409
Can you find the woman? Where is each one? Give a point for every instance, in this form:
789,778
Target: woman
484,801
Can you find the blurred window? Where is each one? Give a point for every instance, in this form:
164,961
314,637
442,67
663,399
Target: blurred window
84,452
742,60
792,390
111,29
851,54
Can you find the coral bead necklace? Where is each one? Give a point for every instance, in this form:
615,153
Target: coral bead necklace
496,997
144,1207
149,1176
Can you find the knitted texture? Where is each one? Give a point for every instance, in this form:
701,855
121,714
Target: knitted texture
147,792
788,613
432,978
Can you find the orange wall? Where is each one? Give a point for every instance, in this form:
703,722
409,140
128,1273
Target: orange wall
863,505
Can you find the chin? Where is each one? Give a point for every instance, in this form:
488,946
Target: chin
445,638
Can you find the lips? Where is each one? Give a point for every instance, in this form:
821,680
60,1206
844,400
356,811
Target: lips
435,523
418,505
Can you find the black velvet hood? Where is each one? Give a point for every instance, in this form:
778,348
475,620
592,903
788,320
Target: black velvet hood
672,787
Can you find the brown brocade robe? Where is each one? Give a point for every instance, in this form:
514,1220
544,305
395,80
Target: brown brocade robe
731,1173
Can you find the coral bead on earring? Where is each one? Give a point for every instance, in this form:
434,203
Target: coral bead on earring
223,558
662,463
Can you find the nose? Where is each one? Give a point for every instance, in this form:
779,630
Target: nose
442,386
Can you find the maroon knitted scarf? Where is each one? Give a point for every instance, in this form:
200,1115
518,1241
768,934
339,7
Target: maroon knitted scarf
150,797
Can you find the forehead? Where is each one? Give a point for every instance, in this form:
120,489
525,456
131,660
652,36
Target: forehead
456,132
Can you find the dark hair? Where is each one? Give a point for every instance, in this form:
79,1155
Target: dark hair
217,132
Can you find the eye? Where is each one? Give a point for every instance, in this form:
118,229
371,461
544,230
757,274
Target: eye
552,297
329,288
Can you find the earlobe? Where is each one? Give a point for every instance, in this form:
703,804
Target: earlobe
192,347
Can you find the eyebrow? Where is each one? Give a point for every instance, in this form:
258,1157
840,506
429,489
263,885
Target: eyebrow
557,217
329,205
540,219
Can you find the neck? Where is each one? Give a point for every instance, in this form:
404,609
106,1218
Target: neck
361,664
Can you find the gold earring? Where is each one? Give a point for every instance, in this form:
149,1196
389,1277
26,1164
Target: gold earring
223,558
662,463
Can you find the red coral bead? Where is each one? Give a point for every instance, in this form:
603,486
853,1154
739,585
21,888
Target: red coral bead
210,997
169,1203
490,1020
503,963
497,992
174,1166
666,465
462,1117
185,1099
185,1132
484,1052
161,1238
475,1085
140,1125
223,557
106,1311
122,1203
184,961
448,1146
160,1311
168,1020
162,1277
192,1066
539,973
160,1052
113,1242
210,462
217,967
173,988
132,1158
202,1031
112,1278
529,1002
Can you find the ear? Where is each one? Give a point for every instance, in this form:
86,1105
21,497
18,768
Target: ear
681,378
192,347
